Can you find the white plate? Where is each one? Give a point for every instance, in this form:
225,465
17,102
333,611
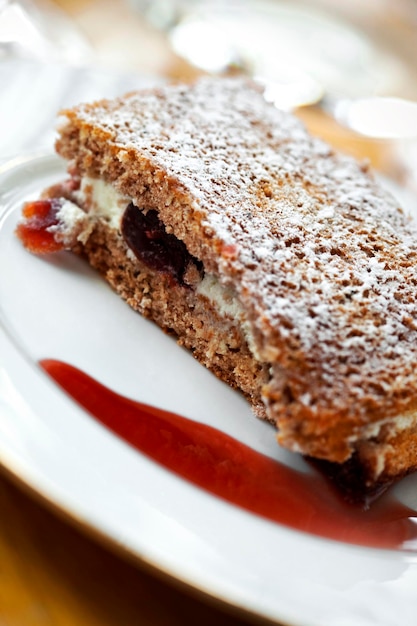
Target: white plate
58,308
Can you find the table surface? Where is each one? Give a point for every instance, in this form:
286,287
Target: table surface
51,573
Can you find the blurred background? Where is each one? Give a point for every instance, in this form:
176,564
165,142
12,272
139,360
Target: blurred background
346,67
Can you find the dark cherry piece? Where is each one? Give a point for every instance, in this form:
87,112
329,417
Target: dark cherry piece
233,471
145,235
33,230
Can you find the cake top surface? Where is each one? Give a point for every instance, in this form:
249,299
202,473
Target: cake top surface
322,257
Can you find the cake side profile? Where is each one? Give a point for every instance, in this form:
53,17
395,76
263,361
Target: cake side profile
282,265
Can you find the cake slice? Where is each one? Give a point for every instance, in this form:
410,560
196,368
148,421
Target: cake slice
282,265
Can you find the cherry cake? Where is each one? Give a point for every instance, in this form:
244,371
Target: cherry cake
282,265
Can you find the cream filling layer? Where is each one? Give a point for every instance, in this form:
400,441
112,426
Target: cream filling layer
102,199
227,305
73,224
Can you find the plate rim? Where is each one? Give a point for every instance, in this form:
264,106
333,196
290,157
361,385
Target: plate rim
255,608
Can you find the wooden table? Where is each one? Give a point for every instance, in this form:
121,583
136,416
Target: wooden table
52,574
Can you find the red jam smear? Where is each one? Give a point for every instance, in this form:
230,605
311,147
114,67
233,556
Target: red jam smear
146,236
33,232
235,472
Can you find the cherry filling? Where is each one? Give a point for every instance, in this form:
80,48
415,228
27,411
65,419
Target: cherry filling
146,236
34,231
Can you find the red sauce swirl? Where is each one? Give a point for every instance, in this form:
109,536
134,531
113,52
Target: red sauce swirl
235,472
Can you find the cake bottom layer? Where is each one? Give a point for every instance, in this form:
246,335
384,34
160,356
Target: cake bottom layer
215,340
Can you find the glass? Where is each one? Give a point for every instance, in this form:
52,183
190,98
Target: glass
39,30
301,50
353,60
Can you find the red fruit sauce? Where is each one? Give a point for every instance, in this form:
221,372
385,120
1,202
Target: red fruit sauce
233,471
33,231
